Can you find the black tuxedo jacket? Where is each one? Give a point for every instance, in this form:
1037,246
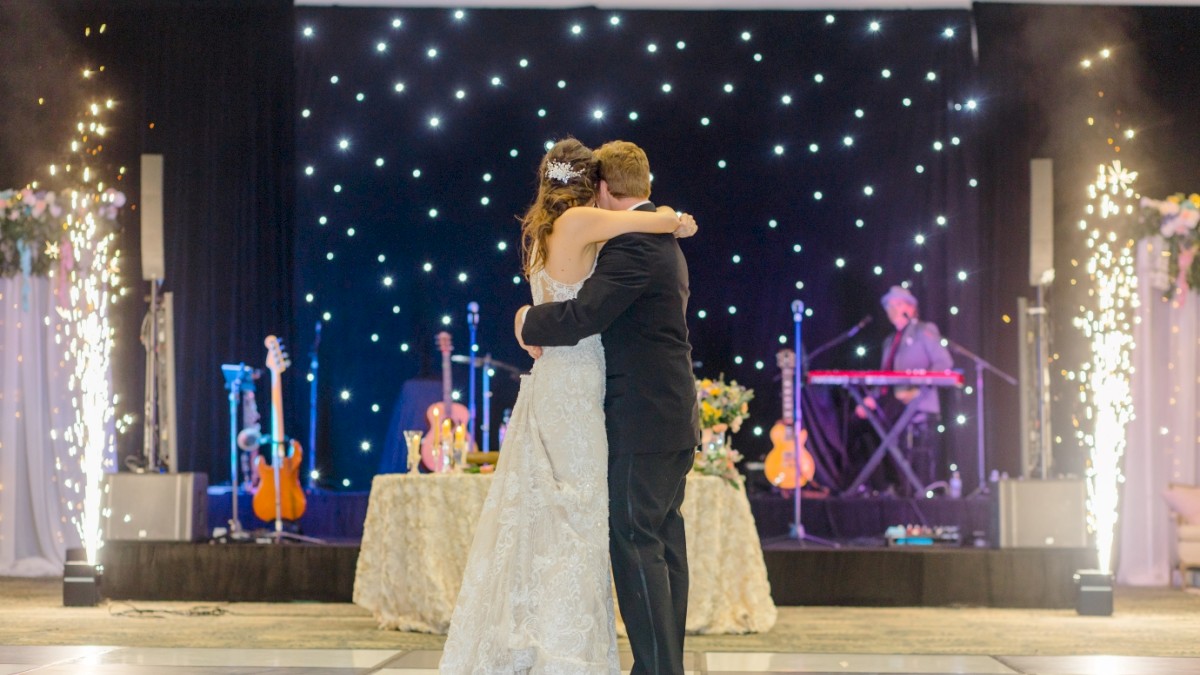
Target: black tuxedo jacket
637,301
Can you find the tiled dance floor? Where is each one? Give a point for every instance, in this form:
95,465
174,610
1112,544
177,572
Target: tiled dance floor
84,660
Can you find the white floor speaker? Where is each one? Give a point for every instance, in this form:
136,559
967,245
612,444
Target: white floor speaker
155,507
1043,513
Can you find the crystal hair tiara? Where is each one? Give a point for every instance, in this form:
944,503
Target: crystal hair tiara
561,172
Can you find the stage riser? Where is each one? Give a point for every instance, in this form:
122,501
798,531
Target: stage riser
1040,578
228,572
856,518
329,515
924,577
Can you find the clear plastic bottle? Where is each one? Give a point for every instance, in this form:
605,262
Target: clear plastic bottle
956,485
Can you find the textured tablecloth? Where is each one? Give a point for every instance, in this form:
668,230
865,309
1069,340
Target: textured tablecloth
419,529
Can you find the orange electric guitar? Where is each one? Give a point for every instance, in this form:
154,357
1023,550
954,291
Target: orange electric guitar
278,495
441,435
780,464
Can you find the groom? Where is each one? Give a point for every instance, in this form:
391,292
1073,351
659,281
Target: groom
637,300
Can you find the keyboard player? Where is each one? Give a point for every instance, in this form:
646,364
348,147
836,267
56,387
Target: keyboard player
916,345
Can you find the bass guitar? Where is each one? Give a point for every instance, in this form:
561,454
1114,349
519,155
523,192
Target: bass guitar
278,494
780,463
445,416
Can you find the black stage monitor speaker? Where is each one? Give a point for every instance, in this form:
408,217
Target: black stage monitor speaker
155,507
1043,513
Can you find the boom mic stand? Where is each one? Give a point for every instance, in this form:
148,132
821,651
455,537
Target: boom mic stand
981,364
838,340
797,530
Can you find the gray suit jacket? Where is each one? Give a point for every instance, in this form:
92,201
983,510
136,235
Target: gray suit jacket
920,348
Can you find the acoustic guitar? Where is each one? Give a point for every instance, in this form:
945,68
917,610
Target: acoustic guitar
780,463
441,434
278,494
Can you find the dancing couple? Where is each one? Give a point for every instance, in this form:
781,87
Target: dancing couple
602,437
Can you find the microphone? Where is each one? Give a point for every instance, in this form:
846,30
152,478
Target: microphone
473,313
797,307
860,325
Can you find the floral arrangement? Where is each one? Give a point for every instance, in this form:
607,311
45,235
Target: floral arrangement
33,228
723,408
1175,219
717,458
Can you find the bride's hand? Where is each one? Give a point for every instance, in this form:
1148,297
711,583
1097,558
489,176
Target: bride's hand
687,226
518,325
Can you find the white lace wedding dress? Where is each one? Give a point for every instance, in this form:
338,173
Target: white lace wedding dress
536,595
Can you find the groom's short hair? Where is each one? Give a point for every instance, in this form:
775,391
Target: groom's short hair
624,166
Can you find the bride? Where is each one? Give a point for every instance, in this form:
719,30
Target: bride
536,594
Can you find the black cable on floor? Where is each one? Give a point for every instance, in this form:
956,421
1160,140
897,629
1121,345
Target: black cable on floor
138,613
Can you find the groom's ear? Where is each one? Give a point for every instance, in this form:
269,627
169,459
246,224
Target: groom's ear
603,195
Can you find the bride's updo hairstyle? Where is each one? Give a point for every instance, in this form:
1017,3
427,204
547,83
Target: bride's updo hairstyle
568,176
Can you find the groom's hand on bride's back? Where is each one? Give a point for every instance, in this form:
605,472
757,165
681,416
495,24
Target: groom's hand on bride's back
518,324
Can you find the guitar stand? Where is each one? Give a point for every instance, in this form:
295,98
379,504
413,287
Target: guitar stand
280,535
888,444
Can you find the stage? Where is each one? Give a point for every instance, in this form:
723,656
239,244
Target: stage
862,571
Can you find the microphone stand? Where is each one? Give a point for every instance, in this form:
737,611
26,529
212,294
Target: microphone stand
472,326
797,530
485,429
981,365
312,410
238,378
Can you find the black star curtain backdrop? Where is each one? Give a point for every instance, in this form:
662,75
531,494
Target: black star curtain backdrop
826,157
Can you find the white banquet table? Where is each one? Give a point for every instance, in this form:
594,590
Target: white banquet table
419,528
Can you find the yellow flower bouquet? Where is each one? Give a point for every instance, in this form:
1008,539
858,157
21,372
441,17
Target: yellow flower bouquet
723,408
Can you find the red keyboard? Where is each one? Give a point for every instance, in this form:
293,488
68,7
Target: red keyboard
887,378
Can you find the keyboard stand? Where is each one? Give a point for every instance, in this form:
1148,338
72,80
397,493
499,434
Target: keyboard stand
889,444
